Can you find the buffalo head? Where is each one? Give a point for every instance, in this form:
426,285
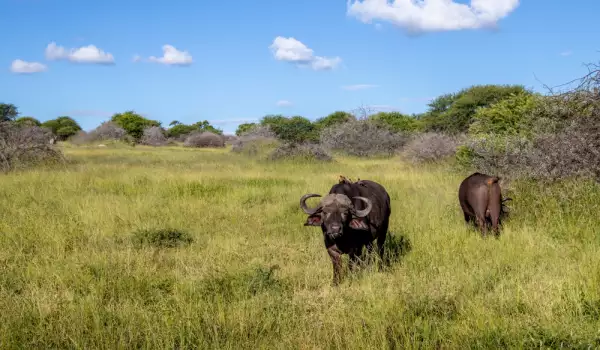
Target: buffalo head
335,213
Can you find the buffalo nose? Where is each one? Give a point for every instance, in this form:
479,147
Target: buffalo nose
336,228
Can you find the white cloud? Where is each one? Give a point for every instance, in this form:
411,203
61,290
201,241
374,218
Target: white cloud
294,51
172,56
283,103
433,15
359,87
23,67
84,54
566,53
136,58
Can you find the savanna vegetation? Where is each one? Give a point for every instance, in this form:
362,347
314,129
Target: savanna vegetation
136,235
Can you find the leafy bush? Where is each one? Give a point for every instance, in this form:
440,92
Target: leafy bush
335,118
453,113
133,123
395,121
28,121
295,129
204,139
63,127
162,238
429,147
154,136
244,127
511,116
25,146
305,151
362,138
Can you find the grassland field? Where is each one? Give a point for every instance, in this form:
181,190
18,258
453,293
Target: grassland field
76,272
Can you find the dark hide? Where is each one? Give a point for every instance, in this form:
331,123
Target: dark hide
480,198
346,233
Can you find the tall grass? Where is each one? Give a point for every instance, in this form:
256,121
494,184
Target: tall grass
74,272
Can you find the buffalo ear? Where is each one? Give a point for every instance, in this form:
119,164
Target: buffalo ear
313,220
358,224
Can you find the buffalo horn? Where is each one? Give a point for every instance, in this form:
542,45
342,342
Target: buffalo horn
303,203
367,210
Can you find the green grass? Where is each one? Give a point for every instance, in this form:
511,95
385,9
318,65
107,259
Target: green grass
89,258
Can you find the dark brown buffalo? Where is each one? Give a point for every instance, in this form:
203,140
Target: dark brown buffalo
480,198
351,216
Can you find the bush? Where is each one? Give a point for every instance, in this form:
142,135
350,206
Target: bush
104,132
511,116
23,146
430,147
304,151
575,151
162,238
254,140
362,138
395,121
153,136
204,139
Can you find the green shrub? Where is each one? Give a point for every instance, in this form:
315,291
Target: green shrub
162,238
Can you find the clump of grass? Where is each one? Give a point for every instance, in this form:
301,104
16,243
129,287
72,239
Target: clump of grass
162,238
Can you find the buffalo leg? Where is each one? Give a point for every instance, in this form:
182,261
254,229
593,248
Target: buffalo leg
336,259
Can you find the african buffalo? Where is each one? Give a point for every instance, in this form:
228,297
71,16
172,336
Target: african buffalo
351,216
481,201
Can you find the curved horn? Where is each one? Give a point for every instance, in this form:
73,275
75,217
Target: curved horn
367,210
303,203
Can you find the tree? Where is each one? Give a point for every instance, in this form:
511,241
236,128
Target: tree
8,112
205,126
63,127
395,121
245,127
337,117
133,123
29,121
174,122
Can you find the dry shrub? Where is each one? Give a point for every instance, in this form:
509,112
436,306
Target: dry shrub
575,151
204,139
104,132
430,147
305,151
25,146
361,138
154,136
255,140
507,156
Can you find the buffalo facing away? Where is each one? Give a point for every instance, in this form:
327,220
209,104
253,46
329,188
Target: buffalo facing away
351,216
481,201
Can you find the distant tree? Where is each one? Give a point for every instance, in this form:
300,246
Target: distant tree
180,129
337,117
63,127
245,127
174,122
206,126
8,112
29,121
395,121
133,123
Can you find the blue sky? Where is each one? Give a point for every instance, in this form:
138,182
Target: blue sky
235,61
